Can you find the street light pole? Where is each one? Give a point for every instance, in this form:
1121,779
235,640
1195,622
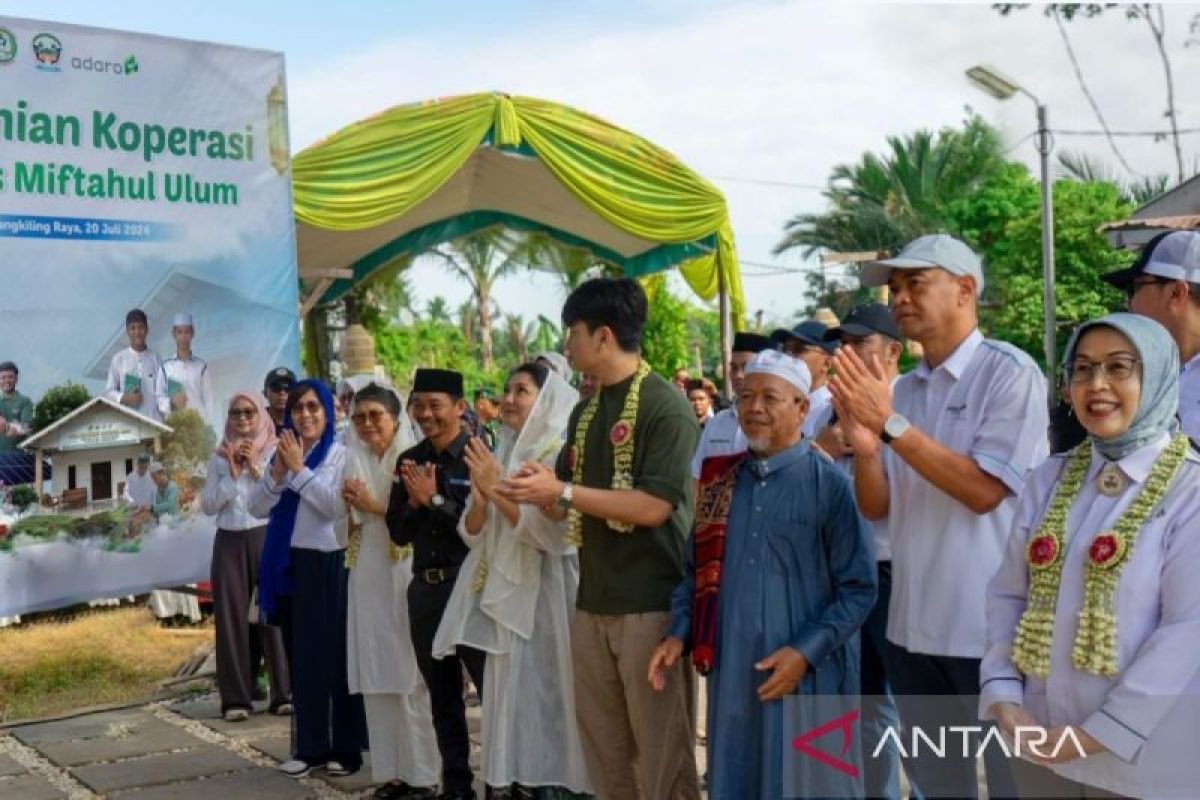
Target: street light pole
1048,299
1002,87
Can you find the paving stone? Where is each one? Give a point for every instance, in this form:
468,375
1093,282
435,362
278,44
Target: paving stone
9,767
259,783
160,768
29,787
277,747
258,726
85,727
206,707
152,739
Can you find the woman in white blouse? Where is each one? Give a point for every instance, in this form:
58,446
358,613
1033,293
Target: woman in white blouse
237,465
302,582
1093,663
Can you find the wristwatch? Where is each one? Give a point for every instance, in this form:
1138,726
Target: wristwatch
565,496
437,501
895,427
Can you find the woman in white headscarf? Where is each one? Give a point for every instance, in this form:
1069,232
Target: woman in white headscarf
514,599
381,663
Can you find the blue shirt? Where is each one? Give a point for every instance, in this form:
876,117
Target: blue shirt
798,571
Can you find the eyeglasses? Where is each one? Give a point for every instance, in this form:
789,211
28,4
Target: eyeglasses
1116,370
1138,283
310,407
235,413
374,416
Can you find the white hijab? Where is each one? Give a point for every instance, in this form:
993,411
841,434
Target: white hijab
513,566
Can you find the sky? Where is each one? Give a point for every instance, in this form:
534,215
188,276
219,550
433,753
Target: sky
761,98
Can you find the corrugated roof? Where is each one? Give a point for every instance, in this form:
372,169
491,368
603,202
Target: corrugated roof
1185,222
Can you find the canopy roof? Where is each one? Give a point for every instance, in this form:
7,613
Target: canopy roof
394,185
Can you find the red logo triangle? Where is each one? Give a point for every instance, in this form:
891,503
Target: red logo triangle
844,723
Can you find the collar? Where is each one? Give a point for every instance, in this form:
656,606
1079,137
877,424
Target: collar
1136,465
1193,365
957,363
454,449
761,468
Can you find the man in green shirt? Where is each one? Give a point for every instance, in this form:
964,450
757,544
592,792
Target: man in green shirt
16,410
166,495
623,482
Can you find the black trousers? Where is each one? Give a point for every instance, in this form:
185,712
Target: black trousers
443,676
328,723
917,675
240,645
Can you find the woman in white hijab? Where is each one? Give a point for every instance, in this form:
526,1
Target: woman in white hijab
514,599
381,664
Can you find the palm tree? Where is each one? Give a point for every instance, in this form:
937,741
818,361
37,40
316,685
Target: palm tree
1086,169
573,265
438,310
481,259
886,200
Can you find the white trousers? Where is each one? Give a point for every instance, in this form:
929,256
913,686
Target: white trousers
403,743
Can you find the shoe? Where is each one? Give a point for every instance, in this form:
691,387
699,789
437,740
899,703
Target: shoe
458,794
414,793
334,769
399,790
236,715
282,710
295,768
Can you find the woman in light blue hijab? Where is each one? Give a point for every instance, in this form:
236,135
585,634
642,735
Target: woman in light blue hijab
1094,615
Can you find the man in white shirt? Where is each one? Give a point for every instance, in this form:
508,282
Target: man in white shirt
807,342
962,431
186,381
140,486
135,372
722,436
1164,285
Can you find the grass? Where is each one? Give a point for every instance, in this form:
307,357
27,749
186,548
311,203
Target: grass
96,658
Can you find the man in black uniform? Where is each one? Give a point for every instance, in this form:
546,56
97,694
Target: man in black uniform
431,488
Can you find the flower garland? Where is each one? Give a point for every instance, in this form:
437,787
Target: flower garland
621,437
1095,646
395,552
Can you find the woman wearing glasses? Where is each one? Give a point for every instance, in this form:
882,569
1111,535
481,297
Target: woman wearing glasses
302,582
1092,667
382,665
237,465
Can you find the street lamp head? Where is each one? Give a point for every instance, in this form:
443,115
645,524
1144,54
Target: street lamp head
992,81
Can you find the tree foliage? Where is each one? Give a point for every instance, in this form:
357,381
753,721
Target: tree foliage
57,402
190,443
665,339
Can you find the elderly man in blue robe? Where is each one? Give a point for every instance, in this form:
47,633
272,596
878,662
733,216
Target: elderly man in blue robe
780,576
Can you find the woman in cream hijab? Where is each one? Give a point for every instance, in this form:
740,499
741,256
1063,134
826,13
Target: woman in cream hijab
514,599
381,664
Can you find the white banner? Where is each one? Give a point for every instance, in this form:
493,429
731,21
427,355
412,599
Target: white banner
135,172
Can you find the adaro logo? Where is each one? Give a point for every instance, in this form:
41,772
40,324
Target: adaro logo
47,50
845,724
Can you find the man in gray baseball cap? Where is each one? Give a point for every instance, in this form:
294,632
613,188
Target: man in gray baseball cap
942,456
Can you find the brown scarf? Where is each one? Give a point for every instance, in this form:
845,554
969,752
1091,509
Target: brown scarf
718,476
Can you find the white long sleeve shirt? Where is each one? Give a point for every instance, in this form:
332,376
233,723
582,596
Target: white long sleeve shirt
320,500
1189,398
227,498
139,489
1147,715
145,365
195,378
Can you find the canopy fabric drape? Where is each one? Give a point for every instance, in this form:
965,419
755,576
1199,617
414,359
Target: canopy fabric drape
420,172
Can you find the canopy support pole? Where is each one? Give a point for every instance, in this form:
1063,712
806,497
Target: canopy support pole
726,331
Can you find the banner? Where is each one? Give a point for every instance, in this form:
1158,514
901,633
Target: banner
136,172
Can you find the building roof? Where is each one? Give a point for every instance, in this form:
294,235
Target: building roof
31,442
1174,210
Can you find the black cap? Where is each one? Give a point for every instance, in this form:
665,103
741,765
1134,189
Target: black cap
751,343
1123,278
279,378
438,380
865,320
809,332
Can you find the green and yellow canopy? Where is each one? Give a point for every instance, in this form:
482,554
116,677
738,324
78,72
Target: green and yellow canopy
414,176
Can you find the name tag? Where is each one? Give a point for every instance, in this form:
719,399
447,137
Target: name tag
459,482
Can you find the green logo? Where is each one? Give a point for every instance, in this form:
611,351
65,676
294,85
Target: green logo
8,46
131,65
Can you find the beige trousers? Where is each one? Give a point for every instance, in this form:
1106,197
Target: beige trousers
639,744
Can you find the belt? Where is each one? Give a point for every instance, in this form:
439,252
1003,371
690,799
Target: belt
436,575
